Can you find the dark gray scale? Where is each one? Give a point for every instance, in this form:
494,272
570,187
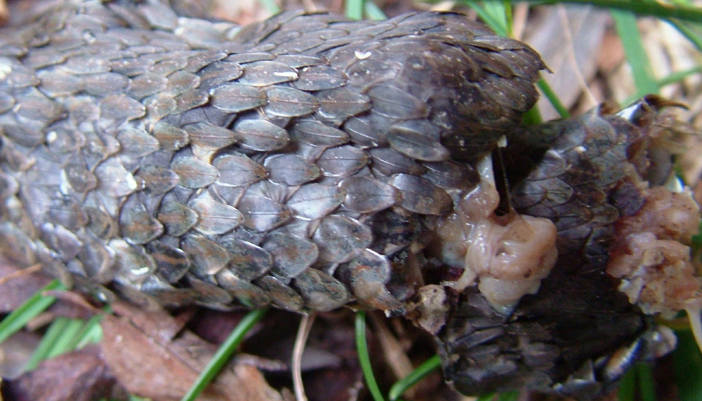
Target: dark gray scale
340,104
291,254
388,162
263,214
313,201
132,262
265,73
368,195
136,223
208,293
367,275
35,108
207,256
157,180
214,217
418,144
193,172
65,244
248,261
289,102
259,134
176,218
318,77
372,70
170,137
281,294
246,293
451,175
171,262
320,291
340,238
239,170
419,195
55,83
342,161
190,100
6,102
317,133
118,109
365,131
181,81
291,170
22,135
219,73
237,97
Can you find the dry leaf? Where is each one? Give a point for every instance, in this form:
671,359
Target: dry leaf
77,376
148,361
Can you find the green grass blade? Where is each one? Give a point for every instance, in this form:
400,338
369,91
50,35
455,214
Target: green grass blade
641,8
501,12
36,304
364,357
553,98
374,12
508,396
413,378
678,76
627,386
494,22
647,387
635,52
688,33
63,342
687,362
90,333
221,357
354,9
270,5
486,397
47,342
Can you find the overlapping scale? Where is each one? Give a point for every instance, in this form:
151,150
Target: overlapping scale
243,166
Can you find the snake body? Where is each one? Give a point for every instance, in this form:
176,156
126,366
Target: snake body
305,161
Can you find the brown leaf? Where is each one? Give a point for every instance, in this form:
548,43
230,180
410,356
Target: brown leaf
148,363
15,290
79,376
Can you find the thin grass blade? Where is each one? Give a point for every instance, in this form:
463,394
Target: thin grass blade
374,12
47,342
63,342
687,362
354,9
221,357
635,52
364,356
413,378
36,304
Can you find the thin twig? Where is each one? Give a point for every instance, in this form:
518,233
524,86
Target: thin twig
570,54
19,273
303,332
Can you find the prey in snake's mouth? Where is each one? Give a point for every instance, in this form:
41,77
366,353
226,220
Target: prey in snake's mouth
311,162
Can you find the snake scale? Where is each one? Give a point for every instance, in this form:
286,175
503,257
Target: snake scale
311,162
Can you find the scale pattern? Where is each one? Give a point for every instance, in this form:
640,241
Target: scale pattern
288,162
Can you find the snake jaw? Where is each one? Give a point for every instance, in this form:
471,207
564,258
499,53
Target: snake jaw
506,256
622,244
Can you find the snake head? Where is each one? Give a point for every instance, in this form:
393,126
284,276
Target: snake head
622,235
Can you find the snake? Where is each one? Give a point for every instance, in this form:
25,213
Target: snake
312,162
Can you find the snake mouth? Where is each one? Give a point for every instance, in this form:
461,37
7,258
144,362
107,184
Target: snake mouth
557,294
506,256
